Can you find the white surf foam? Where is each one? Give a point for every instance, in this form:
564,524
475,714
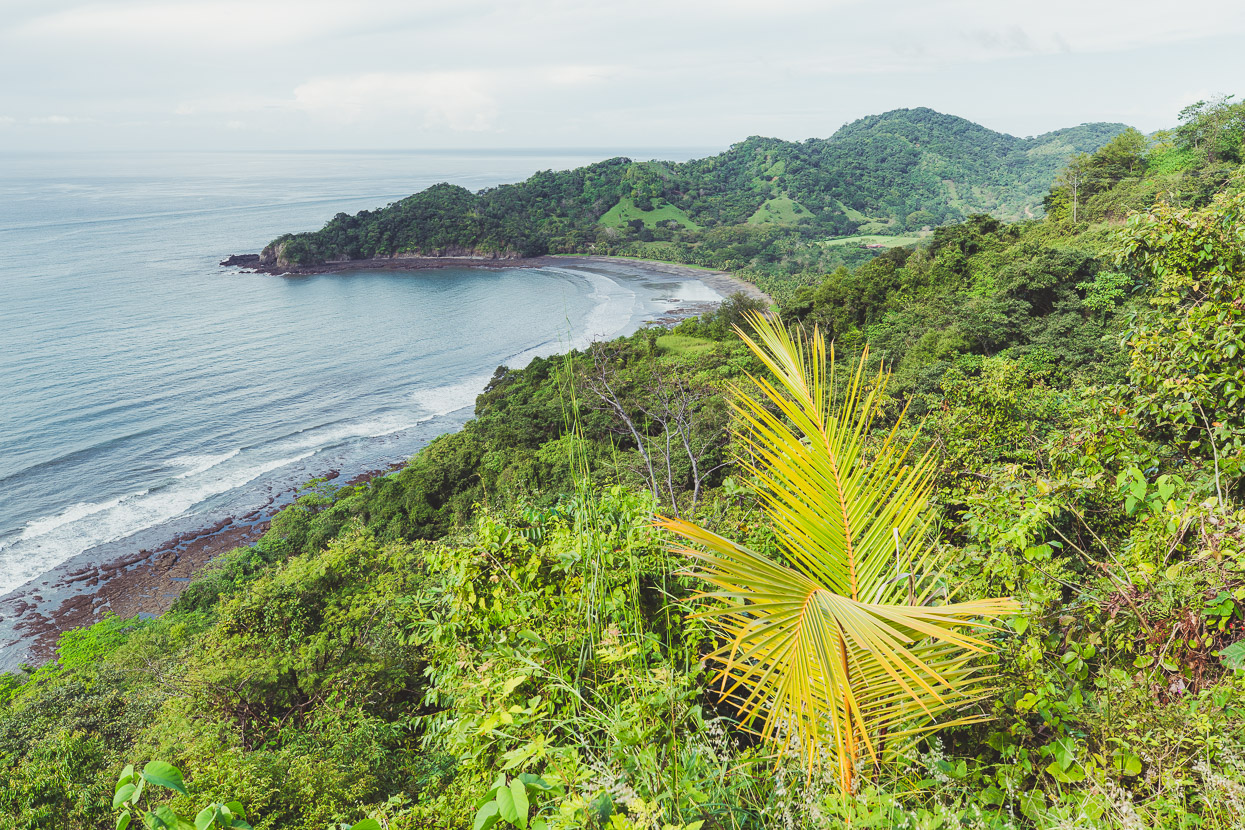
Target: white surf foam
442,400
329,435
695,291
45,543
196,464
614,307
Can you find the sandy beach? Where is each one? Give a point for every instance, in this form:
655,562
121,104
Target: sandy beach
720,281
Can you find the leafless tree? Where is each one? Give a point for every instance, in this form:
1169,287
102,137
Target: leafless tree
665,417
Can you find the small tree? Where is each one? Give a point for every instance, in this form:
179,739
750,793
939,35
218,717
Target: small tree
847,651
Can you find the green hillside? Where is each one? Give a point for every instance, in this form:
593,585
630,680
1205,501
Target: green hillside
626,211
891,173
781,210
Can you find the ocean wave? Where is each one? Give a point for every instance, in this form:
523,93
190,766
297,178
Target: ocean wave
45,543
442,400
196,464
614,306
325,436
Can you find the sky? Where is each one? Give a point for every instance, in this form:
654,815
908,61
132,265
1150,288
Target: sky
410,74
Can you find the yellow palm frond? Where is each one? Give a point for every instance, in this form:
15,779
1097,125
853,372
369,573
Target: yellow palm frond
845,652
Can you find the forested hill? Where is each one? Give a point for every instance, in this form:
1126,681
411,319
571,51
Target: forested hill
893,173
922,160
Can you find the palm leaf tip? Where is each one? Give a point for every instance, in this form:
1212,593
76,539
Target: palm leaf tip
834,651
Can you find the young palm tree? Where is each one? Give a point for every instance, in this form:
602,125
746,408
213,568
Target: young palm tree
845,653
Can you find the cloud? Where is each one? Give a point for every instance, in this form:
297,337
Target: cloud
230,104
461,100
58,120
221,24
693,71
580,75
209,23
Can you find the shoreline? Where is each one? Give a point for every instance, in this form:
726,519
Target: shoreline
143,583
146,582
723,282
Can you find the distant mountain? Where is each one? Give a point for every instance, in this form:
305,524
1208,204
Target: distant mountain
900,171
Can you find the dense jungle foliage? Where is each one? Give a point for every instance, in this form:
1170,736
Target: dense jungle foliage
497,635
764,203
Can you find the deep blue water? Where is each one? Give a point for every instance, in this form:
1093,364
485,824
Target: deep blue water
145,390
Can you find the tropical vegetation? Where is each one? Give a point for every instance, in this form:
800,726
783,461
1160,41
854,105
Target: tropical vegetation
498,634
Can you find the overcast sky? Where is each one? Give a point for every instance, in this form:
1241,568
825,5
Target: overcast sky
409,74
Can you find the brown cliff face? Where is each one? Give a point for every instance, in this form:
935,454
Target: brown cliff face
273,256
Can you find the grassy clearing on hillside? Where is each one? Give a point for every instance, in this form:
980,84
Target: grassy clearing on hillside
868,224
626,210
679,344
875,239
781,210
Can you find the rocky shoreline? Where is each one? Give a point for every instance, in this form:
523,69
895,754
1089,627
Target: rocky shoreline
142,583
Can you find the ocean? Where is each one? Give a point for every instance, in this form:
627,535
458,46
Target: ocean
146,391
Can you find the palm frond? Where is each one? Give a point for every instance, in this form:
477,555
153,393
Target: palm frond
839,653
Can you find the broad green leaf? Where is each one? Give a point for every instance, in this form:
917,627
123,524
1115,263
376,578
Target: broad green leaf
535,782
517,757
486,816
207,817
1166,486
235,809
505,805
1125,763
1069,775
1032,804
127,776
164,774
123,820
367,824
513,683
1065,753
122,795
163,817
518,793
1233,656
